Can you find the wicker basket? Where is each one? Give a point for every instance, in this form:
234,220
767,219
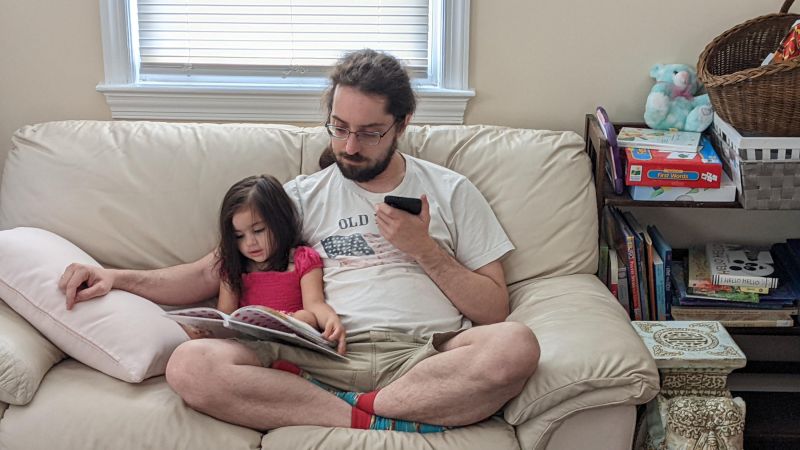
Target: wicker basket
754,99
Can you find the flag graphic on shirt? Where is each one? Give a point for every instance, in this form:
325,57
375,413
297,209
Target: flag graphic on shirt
351,245
363,250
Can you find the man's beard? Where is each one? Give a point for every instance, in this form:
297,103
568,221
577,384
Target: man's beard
363,174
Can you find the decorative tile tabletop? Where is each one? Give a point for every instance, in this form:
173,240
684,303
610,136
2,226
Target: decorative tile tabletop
690,344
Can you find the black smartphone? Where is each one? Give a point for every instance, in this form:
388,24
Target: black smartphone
407,204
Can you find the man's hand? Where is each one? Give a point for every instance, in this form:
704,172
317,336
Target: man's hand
407,232
81,282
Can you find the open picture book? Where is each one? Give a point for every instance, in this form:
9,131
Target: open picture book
257,322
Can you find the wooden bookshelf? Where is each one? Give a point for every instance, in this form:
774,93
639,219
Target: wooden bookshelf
596,146
598,150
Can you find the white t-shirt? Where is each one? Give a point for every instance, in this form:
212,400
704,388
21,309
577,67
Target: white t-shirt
371,284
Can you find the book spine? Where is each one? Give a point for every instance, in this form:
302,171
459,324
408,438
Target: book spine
658,271
627,250
743,281
716,257
667,291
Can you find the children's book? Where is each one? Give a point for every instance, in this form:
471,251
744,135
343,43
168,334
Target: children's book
620,236
739,265
624,297
645,259
699,282
667,140
683,297
255,321
664,250
658,273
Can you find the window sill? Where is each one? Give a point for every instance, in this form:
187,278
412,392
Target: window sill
296,104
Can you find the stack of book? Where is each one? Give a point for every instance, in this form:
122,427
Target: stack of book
738,285
734,284
635,265
673,166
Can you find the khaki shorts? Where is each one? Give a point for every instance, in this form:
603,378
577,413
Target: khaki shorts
374,358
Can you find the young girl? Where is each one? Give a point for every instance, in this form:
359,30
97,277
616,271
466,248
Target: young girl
262,260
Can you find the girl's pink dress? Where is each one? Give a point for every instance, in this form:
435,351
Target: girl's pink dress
280,290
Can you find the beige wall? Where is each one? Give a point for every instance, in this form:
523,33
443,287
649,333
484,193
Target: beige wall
534,64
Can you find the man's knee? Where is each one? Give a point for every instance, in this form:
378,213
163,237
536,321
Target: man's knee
191,373
516,353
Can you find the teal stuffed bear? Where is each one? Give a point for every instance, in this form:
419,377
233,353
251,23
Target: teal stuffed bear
673,103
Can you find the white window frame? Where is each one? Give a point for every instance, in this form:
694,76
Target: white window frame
129,99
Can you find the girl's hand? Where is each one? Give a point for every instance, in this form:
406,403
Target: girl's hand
334,331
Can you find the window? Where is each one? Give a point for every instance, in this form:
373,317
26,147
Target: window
267,60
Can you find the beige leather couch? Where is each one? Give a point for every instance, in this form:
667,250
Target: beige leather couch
145,195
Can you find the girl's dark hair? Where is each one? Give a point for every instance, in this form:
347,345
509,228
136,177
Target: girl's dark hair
264,195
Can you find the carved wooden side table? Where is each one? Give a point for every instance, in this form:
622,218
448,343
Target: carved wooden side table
694,409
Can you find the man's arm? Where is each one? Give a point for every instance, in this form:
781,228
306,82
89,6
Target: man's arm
177,285
480,295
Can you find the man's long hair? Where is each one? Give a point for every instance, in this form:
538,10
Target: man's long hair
374,73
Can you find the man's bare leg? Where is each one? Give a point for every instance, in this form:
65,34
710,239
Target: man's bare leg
477,372
225,380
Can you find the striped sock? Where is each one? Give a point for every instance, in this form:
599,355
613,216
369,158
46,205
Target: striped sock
366,421
363,414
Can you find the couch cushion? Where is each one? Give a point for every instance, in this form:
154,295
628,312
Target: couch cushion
489,434
590,354
120,334
137,194
25,356
79,408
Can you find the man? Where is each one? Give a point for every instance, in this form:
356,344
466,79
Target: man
407,287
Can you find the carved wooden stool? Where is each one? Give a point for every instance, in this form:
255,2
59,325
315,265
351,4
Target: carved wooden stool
694,409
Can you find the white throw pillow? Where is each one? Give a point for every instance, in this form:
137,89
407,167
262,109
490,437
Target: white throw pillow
120,334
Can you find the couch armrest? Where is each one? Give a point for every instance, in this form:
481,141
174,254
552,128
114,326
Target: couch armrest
25,357
590,354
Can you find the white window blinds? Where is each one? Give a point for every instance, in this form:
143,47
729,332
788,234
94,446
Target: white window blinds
275,38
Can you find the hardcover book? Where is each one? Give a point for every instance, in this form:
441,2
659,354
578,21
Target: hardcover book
667,140
624,297
658,272
699,282
254,321
664,250
738,265
645,256
620,236
783,298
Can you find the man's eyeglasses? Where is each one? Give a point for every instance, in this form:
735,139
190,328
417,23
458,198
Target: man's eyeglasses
363,137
